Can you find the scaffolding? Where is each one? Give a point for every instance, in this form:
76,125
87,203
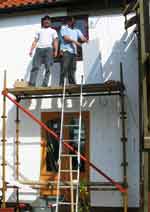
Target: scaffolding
140,19
111,88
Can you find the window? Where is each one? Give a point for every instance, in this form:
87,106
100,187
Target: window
73,135
50,147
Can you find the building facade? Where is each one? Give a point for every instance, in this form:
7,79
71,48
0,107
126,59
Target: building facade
109,44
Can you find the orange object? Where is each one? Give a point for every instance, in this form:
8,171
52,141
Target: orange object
22,205
7,210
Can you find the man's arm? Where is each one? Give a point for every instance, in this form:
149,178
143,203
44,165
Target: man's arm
33,46
55,47
69,40
81,37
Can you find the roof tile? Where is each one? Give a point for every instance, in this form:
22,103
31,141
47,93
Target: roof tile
20,3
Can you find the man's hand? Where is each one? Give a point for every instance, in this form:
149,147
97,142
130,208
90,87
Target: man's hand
30,53
83,39
61,53
77,43
55,54
86,41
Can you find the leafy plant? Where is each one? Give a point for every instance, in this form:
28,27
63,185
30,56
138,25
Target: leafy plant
84,205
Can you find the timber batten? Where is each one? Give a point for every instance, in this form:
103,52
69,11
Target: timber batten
108,88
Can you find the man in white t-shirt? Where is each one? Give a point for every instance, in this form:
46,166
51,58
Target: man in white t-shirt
46,44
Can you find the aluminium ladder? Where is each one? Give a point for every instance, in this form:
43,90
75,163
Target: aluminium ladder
73,183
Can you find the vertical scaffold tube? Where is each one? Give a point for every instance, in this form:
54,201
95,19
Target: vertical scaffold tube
17,141
4,148
123,116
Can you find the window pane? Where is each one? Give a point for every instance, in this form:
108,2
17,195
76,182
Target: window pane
52,146
73,135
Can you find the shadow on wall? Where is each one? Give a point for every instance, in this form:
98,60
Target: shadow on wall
98,71
111,69
92,65
94,73
26,129
54,76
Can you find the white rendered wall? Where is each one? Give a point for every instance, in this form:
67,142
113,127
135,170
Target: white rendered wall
109,44
115,46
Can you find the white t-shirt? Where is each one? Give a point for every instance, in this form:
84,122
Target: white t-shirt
46,37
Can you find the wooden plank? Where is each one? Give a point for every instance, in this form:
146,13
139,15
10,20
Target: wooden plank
144,98
131,7
143,70
74,89
146,145
132,21
147,25
146,181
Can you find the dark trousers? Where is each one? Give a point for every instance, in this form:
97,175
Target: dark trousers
68,68
42,56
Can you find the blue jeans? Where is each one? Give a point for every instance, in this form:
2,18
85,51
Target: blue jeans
42,56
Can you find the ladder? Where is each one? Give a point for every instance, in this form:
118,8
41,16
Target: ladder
73,183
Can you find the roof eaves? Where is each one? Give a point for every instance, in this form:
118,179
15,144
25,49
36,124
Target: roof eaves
27,7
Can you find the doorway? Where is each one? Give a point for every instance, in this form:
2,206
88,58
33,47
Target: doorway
50,148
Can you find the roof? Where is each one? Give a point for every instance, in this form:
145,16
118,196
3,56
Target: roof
6,4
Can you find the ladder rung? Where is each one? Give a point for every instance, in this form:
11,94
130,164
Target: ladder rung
71,125
74,181
67,170
76,99
66,203
67,186
65,155
70,140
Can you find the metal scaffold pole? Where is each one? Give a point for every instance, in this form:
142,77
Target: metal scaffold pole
17,142
4,147
123,117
